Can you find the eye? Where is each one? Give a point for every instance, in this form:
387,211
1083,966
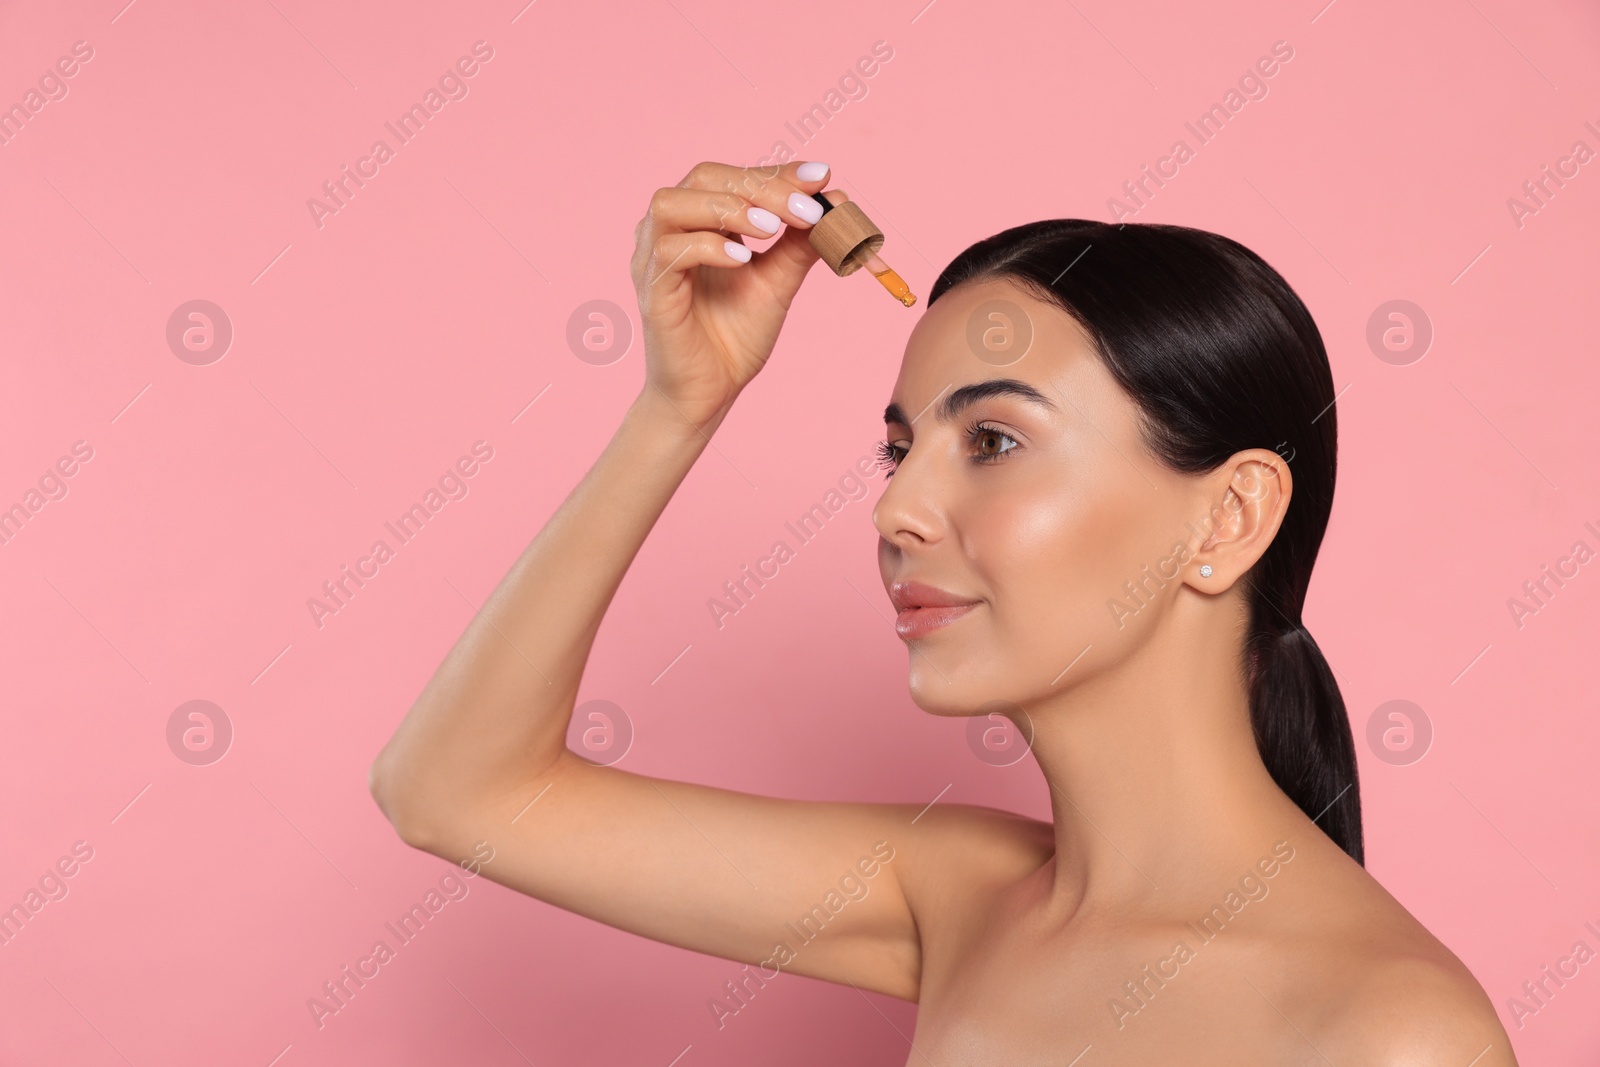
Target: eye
889,457
980,434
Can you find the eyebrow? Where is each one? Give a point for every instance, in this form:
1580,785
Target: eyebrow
961,399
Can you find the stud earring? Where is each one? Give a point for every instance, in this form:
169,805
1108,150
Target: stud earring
1205,570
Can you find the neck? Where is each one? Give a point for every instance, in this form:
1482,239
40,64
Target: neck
1156,786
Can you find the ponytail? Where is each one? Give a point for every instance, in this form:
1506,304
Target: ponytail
1303,733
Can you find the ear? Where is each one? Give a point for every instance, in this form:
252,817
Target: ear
1249,498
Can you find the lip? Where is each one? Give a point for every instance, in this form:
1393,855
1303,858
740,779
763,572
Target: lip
913,623
925,608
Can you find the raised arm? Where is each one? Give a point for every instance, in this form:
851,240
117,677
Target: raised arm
812,888
495,713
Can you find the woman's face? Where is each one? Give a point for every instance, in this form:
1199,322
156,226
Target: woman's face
1037,509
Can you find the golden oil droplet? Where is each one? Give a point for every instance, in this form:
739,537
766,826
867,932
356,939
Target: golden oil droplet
896,286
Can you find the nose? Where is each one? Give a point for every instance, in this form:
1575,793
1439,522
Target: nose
909,512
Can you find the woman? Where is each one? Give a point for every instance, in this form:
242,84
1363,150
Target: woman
1104,527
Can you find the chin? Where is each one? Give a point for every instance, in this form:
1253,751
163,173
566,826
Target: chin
975,681
943,708
948,695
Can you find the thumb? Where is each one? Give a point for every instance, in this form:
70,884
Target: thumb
784,265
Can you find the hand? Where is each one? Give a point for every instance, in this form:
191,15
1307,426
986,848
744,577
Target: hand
709,319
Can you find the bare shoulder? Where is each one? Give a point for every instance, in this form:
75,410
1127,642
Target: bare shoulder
988,842
1368,983
1415,1010
963,849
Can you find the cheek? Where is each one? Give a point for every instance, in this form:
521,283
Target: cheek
1054,559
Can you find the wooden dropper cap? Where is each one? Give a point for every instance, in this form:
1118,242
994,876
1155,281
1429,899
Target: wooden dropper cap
844,231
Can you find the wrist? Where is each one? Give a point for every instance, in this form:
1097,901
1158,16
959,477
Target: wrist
655,408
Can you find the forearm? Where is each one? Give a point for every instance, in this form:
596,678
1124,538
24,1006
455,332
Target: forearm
496,711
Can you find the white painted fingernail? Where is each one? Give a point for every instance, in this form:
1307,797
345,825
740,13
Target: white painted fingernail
805,207
737,251
762,219
811,172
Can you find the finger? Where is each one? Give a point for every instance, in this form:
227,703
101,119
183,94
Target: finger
675,253
785,263
778,189
679,210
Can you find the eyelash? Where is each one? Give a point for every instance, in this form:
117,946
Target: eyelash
888,461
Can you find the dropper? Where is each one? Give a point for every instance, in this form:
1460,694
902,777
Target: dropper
848,240
891,281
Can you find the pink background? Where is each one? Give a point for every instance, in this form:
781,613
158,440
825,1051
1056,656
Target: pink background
372,351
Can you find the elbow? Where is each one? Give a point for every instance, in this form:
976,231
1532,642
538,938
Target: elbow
397,799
